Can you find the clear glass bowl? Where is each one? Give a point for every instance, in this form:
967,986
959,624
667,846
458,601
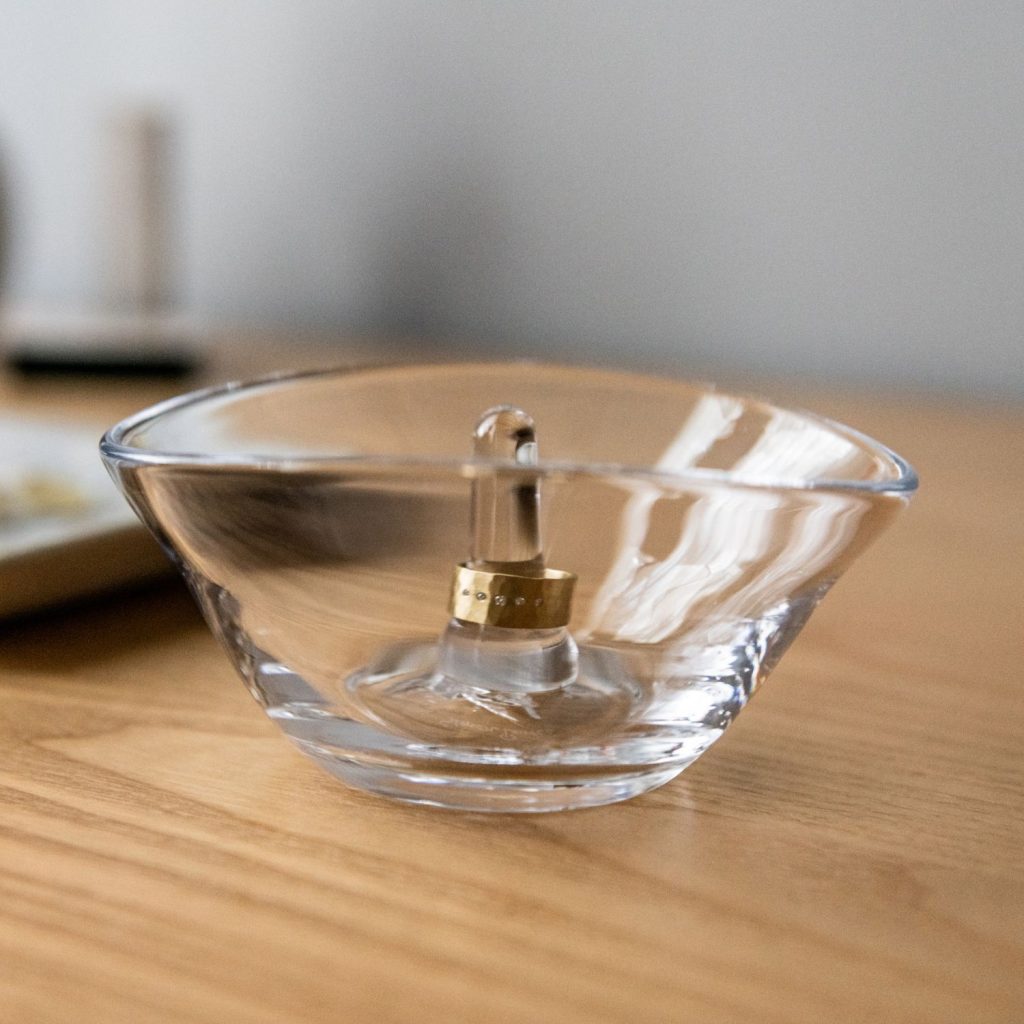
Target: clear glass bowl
320,521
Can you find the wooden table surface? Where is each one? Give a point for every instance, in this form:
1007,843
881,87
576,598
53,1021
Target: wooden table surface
850,851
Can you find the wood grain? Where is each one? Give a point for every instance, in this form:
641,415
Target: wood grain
850,851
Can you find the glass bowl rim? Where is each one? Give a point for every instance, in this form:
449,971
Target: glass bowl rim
114,448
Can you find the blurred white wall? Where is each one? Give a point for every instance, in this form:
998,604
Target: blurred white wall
836,187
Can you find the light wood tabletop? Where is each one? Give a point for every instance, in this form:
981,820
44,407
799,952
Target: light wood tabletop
850,851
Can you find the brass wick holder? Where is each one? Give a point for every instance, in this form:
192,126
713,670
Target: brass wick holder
510,600
506,583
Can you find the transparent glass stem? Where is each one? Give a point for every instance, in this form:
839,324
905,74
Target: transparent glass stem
507,660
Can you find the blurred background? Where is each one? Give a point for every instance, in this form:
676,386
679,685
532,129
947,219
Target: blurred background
831,191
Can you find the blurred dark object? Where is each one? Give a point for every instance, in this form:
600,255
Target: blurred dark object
65,359
123,345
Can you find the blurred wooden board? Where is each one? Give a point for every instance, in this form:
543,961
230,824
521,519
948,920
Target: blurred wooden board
850,851
65,531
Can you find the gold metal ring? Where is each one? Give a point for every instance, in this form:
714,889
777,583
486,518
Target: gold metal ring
510,600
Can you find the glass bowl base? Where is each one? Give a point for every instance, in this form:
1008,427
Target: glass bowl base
414,734
443,787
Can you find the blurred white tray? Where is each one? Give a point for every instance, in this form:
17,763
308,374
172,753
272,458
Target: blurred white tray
65,531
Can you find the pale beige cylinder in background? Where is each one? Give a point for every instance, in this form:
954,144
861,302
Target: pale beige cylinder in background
138,145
